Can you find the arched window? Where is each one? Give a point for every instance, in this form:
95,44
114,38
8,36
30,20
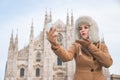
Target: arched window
60,38
37,72
59,61
38,57
22,72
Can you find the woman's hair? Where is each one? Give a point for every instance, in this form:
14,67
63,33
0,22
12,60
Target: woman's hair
93,30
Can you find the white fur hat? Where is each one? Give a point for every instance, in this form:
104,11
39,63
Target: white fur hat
93,32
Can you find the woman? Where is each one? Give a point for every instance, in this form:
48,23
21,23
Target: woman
90,55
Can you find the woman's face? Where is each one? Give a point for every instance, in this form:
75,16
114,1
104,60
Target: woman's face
84,31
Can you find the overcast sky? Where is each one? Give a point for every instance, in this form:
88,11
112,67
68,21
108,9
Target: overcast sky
18,14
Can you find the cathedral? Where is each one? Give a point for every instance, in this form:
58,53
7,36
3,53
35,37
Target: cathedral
36,61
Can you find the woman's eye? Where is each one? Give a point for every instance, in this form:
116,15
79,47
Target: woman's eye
80,28
86,27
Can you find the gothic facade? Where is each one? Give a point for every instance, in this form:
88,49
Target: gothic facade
36,61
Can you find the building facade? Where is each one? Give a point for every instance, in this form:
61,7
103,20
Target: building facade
36,61
115,77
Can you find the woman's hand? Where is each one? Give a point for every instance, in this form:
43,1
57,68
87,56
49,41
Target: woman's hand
51,36
84,42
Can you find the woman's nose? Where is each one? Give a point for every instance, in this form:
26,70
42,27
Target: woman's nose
83,30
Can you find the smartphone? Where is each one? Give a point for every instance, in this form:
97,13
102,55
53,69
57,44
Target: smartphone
49,25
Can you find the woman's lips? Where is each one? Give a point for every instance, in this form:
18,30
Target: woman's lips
83,34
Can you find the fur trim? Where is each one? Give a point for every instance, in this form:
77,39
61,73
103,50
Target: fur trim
93,32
